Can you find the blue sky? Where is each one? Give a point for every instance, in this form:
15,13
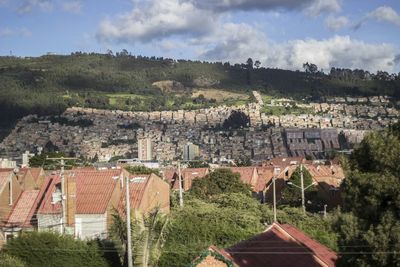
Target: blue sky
279,33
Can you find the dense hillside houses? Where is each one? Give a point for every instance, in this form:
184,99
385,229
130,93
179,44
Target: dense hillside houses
330,127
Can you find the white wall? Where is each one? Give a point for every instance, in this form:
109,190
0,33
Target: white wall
49,222
88,226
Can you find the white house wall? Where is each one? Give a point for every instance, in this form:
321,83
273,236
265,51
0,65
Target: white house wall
89,226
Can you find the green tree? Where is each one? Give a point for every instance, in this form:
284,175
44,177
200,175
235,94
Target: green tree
198,164
218,182
237,119
48,164
200,224
369,233
378,152
291,194
140,169
53,250
147,237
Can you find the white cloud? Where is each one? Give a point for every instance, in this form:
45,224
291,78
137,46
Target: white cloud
156,20
338,51
72,6
28,6
385,13
6,32
187,25
323,6
241,41
233,42
336,23
9,32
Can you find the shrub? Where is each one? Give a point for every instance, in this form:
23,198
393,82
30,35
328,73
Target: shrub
51,249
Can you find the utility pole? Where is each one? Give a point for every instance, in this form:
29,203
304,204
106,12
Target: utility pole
180,185
274,193
63,197
302,189
128,223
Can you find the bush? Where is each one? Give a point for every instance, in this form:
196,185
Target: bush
10,261
199,224
219,182
51,249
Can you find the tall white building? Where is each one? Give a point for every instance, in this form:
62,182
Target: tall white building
25,159
191,151
145,149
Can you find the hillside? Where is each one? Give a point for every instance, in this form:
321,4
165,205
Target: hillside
49,84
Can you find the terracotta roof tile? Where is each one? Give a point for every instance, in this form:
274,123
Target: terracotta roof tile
188,175
283,246
136,192
93,191
22,209
49,186
322,252
246,174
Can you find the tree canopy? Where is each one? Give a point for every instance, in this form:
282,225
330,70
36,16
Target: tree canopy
369,233
291,193
218,182
236,120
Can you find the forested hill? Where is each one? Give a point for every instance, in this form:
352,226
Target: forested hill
49,84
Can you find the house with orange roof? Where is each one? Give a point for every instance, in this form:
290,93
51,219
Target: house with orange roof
92,196
329,179
147,192
280,245
10,190
250,176
188,175
30,178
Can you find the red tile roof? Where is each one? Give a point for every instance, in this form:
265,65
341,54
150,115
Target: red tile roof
323,171
19,215
136,192
49,186
322,252
283,246
248,175
284,161
93,191
265,175
188,175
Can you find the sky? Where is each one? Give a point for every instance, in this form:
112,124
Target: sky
279,33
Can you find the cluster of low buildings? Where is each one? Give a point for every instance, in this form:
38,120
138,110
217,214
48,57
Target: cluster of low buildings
81,202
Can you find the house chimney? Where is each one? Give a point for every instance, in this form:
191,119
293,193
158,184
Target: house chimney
71,199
